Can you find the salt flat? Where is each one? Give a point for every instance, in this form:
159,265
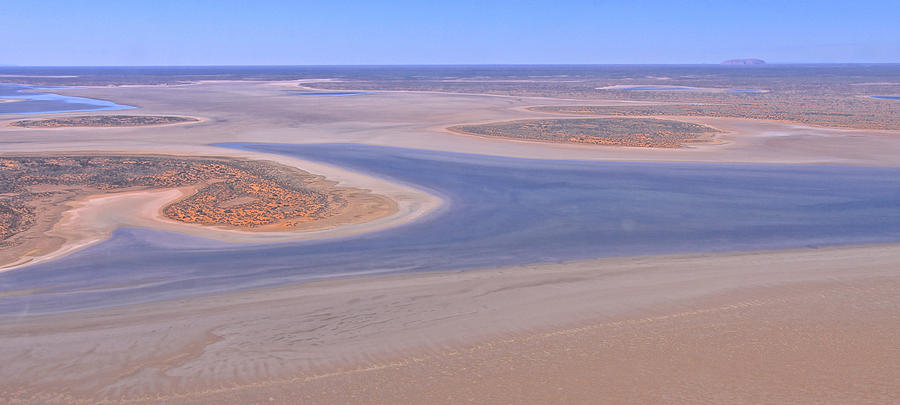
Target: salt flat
363,335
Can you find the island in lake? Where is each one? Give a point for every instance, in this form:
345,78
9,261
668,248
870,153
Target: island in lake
103,121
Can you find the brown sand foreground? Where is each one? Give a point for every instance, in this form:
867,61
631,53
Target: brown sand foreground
804,326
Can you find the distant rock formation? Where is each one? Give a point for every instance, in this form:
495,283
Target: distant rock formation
749,61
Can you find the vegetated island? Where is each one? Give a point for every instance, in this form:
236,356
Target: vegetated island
747,61
225,193
103,121
745,110
633,132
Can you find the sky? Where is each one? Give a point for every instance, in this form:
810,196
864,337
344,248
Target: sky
230,32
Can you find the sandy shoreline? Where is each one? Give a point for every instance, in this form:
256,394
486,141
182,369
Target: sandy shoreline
360,333
93,219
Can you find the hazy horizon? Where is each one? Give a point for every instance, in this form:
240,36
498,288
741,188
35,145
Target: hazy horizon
461,65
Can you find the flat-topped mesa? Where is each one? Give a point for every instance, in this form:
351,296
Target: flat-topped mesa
746,61
103,121
632,132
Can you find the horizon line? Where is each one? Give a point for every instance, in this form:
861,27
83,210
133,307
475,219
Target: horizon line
454,64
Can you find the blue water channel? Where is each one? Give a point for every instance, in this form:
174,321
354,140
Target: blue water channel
497,212
36,100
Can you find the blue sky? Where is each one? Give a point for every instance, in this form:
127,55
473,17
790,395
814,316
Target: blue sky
185,32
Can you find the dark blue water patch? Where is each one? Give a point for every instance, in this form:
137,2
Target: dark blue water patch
330,93
31,101
654,88
498,212
887,97
744,91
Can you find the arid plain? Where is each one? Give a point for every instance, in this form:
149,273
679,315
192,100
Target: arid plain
810,325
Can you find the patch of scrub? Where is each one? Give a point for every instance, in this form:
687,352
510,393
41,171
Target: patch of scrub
655,88
103,121
633,132
331,93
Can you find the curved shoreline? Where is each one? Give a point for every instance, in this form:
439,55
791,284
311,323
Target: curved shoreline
38,93
92,219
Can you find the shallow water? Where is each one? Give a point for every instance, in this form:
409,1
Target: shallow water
499,212
35,102
887,97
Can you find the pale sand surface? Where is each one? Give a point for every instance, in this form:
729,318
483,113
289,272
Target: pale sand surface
804,326
831,343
